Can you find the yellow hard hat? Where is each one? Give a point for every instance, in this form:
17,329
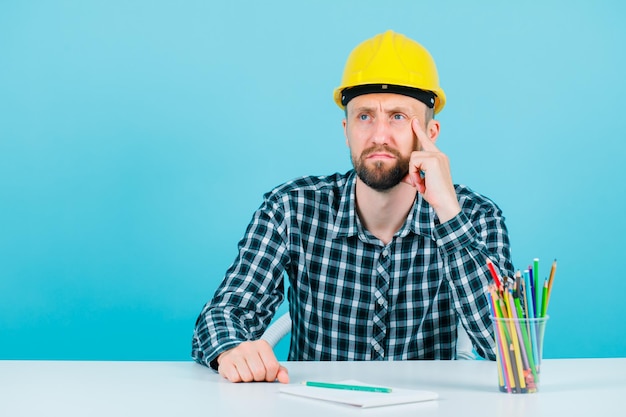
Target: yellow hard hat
391,62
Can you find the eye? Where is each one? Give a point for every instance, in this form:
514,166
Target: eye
398,116
363,117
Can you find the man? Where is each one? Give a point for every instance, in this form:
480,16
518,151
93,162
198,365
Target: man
383,261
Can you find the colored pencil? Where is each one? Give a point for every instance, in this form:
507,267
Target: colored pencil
494,274
550,281
347,387
519,307
544,299
538,287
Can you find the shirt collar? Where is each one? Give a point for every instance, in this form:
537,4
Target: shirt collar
421,219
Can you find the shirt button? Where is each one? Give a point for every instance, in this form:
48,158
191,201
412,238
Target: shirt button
385,253
381,301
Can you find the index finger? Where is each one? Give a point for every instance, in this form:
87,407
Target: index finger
423,141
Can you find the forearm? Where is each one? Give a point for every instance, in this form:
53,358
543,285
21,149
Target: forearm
252,290
465,244
237,313
214,333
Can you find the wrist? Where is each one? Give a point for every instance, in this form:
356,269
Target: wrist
447,213
214,364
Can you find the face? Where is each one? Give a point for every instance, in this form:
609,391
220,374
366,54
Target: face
379,133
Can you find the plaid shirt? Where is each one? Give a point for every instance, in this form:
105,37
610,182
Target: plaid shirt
351,297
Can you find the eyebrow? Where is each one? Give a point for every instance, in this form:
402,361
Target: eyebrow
371,109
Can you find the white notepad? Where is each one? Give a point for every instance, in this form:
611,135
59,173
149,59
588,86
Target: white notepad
360,398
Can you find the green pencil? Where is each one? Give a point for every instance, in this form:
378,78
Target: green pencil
537,287
544,299
347,386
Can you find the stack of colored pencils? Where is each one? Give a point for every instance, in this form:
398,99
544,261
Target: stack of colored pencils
519,308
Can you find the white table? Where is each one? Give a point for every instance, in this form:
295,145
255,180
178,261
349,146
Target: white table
572,387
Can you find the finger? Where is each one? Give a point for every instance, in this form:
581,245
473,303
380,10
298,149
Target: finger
420,183
257,367
229,372
423,141
234,366
245,374
408,179
413,176
283,375
271,366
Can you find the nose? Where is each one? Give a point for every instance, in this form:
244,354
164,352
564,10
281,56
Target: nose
381,131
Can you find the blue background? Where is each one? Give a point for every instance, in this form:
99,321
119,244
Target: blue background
137,138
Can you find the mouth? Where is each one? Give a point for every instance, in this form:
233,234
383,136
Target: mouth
380,155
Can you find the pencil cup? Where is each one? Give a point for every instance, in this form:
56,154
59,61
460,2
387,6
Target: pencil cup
519,346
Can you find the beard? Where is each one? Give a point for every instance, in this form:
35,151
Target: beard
381,175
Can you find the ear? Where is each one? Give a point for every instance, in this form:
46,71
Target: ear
432,129
345,131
